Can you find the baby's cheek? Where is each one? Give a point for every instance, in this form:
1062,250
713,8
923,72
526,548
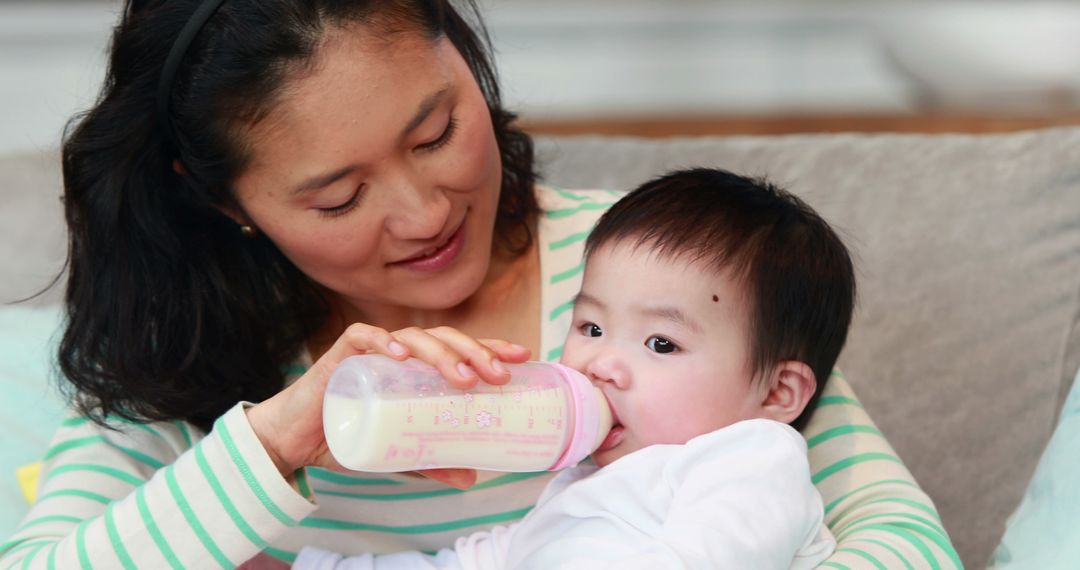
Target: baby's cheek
667,427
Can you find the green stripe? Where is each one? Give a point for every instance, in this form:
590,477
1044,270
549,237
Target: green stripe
75,493
927,509
184,432
561,309
226,502
850,461
75,422
569,240
52,557
572,196
938,534
863,555
841,430
555,353
833,565
117,543
563,276
78,421
833,400
23,546
31,555
302,482
155,532
96,439
147,429
416,529
249,477
285,555
343,479
854,525
80,545
496,482
886,546
49,519
294,370
9,544
103,469
911,538
567,212
833,504
193,521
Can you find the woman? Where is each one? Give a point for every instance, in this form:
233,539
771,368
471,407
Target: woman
264,185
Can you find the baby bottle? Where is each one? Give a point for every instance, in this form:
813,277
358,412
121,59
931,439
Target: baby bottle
383,415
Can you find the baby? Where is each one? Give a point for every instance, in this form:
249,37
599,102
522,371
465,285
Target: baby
712,310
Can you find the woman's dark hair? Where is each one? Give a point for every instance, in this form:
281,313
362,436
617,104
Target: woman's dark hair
794,270
172,314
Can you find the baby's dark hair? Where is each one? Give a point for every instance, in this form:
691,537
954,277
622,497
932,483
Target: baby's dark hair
794,269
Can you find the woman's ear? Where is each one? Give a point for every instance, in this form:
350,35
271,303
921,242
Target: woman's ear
790,386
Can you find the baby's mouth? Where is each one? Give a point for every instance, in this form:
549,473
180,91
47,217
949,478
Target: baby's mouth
614,438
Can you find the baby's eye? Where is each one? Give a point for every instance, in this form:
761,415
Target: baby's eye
591,329
661,345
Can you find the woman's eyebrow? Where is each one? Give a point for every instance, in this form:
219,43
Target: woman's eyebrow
322,180
426,107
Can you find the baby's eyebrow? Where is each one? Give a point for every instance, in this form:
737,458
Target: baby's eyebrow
587,299
673,314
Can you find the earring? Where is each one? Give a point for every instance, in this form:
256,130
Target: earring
247,231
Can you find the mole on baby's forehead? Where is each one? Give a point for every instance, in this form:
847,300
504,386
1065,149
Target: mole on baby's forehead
715,299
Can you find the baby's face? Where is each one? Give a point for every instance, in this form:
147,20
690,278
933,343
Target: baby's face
667,342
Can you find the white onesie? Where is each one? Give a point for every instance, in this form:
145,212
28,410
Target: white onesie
739,497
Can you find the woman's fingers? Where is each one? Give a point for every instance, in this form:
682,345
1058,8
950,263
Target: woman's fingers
360,338
462,359
456,478
454,358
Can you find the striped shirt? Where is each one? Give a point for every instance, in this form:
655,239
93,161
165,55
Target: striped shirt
164,495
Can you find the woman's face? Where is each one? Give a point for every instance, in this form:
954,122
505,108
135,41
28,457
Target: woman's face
378,173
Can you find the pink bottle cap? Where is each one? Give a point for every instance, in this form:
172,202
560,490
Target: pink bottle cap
587,403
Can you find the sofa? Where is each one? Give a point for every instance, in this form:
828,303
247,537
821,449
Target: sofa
966,336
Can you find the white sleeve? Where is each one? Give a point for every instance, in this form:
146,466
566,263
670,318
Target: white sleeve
739,497
744,500
150,496
485,550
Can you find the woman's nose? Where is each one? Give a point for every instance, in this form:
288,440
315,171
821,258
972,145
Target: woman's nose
417,210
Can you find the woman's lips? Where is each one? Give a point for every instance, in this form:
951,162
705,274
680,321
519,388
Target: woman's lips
439,259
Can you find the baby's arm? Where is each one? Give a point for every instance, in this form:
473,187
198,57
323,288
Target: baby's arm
740,497
479,551
748,503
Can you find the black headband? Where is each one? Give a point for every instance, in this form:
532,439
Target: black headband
172,63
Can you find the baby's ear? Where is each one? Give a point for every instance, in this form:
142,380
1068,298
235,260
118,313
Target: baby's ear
790,386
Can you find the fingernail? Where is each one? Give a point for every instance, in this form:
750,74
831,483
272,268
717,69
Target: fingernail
517,346
465,370
498,367
397,348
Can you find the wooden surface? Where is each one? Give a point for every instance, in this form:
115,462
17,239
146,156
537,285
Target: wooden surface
772,125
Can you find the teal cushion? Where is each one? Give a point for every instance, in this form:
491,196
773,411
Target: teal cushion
30,408
1044,532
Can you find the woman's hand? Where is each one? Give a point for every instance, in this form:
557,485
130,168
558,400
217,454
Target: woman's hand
290,424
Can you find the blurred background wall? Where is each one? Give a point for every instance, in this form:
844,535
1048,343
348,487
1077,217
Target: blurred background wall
668,67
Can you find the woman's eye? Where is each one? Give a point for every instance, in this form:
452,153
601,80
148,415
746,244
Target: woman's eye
447,134
342,208
591,329
661,345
